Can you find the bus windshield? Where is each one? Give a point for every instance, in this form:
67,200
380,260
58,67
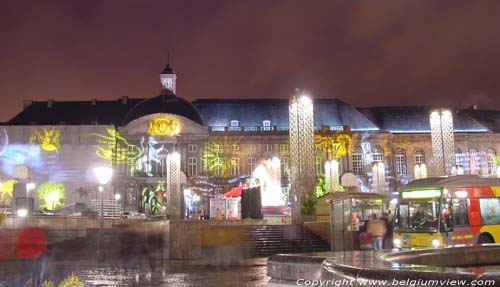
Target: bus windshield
418,216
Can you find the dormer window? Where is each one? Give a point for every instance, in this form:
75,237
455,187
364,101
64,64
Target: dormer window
234,125
266,125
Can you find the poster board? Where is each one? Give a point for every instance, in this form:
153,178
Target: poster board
217,208
233,209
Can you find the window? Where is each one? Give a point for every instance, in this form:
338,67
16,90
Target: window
490,159
131,162
192,148
459,157
250,165
419,156
217,148
235,123
235,166
474,161
459,212
400,162
378,154
218,190
192,166
490,210
318,164
235,147
266,125
268,147
218,166
285,169
357,161
283,147
252,148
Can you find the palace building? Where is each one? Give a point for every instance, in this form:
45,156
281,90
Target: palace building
206,147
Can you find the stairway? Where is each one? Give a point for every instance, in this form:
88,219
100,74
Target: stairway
267,240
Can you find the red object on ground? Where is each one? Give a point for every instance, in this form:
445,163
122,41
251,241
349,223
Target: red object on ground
31,243
234,192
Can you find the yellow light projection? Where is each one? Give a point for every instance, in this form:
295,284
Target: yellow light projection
218,155
7,191
335,146
116,149
48,139
163,126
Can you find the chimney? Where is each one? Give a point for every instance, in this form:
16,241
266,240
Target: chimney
26,104
124,100
94,102
50,103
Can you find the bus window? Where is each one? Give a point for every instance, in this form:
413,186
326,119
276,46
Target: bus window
459,211
446,224
402,217
490,210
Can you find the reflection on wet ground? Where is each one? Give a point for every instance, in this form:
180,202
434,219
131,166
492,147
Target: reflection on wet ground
248,273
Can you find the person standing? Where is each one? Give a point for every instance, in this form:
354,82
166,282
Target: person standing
377,229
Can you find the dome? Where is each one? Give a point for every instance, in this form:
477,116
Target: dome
166,103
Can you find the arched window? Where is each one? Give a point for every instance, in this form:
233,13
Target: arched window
378,154
490,159
474,161
419,156
357,161
400,162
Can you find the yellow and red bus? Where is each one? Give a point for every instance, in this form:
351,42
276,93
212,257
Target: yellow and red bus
442,211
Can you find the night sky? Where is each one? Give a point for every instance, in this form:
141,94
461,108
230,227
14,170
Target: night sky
366,53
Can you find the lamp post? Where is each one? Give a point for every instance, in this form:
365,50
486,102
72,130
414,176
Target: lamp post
103,175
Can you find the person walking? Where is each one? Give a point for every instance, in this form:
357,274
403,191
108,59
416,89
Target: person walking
377,229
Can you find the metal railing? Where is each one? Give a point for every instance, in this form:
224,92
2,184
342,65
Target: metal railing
111,208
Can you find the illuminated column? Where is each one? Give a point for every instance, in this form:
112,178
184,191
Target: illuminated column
302,174
420,170
442,141
174,185
378,177
332,175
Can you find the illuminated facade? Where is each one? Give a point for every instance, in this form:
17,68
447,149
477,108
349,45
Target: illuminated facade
210,146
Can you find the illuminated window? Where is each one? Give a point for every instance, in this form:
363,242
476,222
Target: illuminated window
235,123
459,211
474,161
250,165
268,147
318,148
160,166
490,210
218,190
235,147
266,125
131,162
419,156
283,147
357,161
252,148
192,148
378,154
318,165
284,166
235,166
218,166
459,157
490,158
400,162
192,166
217,148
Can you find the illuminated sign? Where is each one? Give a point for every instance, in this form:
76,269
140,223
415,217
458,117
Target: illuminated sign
115,148
163,126
426,193
48,139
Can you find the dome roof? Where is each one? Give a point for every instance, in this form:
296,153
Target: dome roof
166,103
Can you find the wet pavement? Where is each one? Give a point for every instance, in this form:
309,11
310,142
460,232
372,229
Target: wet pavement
247,273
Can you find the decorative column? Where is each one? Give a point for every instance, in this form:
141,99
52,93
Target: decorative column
332,175
174,185
302,173
441,122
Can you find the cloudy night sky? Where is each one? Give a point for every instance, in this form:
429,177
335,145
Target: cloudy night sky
367,53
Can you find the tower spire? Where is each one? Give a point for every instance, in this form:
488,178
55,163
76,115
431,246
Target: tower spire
168,77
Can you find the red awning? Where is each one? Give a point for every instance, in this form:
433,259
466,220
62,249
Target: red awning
234,192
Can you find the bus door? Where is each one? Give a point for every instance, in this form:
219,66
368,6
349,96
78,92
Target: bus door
454,224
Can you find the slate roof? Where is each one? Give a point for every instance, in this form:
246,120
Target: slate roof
251,113
416,119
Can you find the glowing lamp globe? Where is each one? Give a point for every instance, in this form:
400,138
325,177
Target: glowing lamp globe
103,174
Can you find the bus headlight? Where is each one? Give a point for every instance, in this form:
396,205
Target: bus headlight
436,242
397,242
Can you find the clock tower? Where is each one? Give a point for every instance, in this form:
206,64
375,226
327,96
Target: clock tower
168,78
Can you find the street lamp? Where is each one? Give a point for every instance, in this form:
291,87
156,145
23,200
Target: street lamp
103,175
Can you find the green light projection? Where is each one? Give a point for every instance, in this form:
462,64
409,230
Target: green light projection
51,193
7,191
48,139
116,149
153,199
217,155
